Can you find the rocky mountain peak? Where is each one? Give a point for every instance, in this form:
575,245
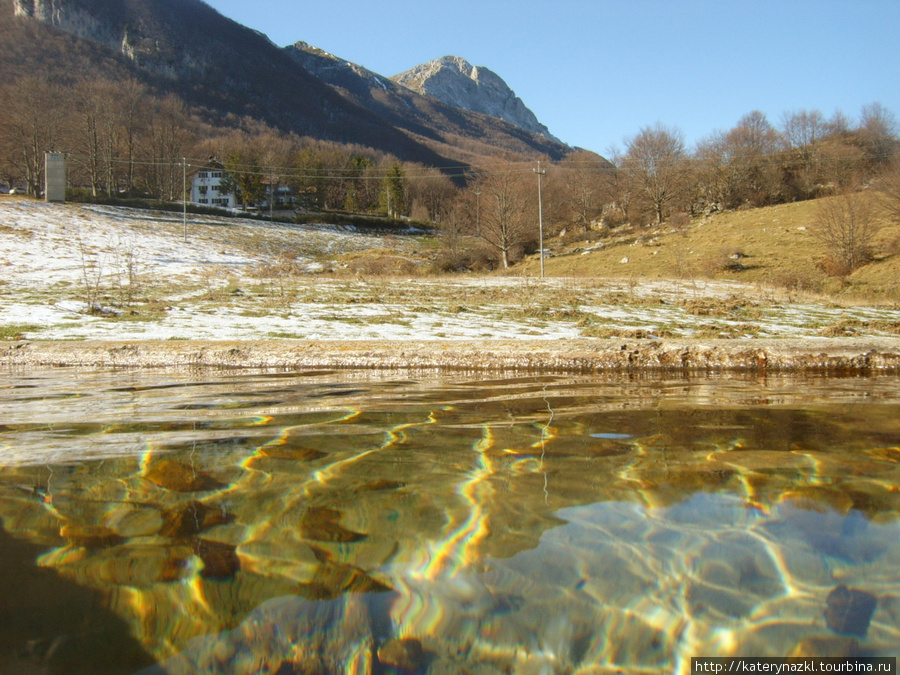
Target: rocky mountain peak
456,82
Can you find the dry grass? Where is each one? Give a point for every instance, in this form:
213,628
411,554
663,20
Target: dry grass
772,246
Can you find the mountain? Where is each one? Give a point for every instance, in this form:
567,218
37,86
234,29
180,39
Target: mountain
186,48
445,126
227,71
457,82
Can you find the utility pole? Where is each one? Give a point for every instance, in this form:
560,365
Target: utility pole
184,196
540,174
478,212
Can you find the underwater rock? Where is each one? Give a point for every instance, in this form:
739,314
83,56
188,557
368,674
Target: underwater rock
382,484
139,566
299,454
405,654
220,560
191,519
321,524
333,579
849,610
90,536
179,477
284,635
839,647
818,498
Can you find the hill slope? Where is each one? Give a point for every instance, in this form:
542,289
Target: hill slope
773,246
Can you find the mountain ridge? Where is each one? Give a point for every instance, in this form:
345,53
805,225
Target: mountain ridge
187,48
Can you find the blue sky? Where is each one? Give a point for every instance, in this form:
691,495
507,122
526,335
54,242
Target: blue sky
597,71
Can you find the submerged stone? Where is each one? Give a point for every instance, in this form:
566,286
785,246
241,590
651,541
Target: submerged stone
840,647
405,654
818,498
382,484
299,454
333,579
141,566
178,477
220,560
849,610
191,519
321,524
90,536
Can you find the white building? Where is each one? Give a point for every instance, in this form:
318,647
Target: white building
207,189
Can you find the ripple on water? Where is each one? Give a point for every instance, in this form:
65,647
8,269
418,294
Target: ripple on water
547,524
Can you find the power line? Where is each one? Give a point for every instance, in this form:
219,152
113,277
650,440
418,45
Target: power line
471,172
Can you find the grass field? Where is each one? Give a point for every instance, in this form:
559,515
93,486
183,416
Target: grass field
773,246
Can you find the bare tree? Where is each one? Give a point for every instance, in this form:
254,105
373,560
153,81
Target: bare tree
847,226
508,210
34,124
837,125
803,128
718,175
102,116
803,133
656,162
132,96
167,140
431,194
878,129
584,178
749,148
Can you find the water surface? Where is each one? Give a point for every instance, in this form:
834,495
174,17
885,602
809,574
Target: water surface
331,522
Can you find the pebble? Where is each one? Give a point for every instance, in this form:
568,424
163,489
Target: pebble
178,477
405,654
849,610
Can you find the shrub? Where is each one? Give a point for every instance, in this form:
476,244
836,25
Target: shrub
793,280
835,267
847,226
382,265
727,260
680,221
474,256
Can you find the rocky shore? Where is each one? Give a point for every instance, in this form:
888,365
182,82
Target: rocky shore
863,355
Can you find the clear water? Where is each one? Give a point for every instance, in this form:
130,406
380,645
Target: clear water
355,522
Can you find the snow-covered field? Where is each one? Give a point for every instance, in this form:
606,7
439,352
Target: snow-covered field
151,276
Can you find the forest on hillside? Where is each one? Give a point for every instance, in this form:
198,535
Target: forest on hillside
123,140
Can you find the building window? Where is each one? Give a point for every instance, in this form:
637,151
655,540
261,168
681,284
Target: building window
203,201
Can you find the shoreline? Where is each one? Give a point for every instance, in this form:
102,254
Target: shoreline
852,355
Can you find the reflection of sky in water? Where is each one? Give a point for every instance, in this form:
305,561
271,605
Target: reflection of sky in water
250,523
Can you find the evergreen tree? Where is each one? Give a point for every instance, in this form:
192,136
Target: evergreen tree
310,183
358,165
393,192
